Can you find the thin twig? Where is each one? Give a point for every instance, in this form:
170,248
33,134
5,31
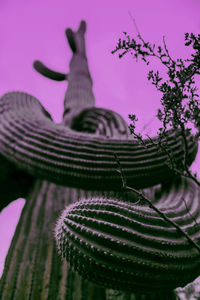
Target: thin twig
166,151
166,50
189,212
119,170
134,22
164,216
142,196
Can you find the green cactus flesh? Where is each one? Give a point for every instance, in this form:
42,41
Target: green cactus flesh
125,246
59,154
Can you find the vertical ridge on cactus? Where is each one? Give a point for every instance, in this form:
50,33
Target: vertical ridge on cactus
33,269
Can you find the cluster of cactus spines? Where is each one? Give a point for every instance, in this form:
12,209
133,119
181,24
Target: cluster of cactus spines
124,246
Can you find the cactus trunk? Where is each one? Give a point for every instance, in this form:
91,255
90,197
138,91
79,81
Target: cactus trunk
33,269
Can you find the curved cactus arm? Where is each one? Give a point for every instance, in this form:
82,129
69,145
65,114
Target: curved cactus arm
73,38
70,38
125,246
62,155
43,70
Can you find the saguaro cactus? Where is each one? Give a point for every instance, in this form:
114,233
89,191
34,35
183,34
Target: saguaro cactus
75,160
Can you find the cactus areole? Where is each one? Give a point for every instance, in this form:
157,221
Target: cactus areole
113,242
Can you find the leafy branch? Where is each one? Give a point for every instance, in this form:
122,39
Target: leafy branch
180,100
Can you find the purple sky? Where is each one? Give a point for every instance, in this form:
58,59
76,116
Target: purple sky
34,29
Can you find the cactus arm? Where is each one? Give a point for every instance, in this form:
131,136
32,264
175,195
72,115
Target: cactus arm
61,155
125,246
33,269
43,70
